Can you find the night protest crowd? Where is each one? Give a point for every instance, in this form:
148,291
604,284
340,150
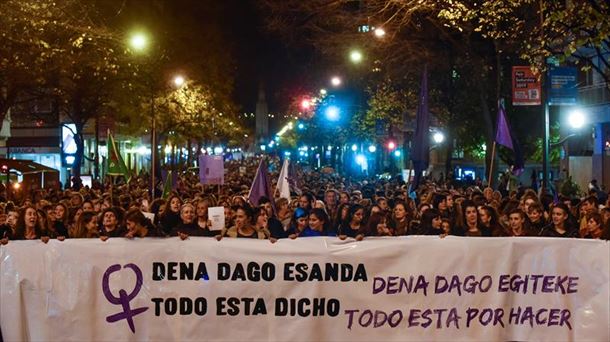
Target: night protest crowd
321,205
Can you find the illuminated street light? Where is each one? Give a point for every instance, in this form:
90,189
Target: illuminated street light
305,104
335,81
178,81
379,32
576,119
354,147
323,91
332,113
397,153
438,137
355,56
360,159
138,41
372,148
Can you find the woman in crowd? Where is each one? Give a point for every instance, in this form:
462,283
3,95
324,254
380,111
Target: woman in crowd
29,226
378,225
139,226
595,226
354,220
62,213
283,212
201,211
519,224
431,222
188,225
319,224
472,224
489,221
244,227
170,217
110,220
300,220
86,227
560,225
400,219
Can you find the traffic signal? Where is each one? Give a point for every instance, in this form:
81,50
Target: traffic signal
391,144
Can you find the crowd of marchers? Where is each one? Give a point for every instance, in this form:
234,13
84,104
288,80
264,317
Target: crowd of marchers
321,205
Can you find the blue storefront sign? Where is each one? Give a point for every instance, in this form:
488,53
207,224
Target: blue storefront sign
563,86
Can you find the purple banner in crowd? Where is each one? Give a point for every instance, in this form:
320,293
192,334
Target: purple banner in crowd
211,170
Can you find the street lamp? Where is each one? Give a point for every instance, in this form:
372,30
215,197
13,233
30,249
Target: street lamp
322,91
179,81
138,41
355,56
576,119
332,113
438,137
379,32
335,81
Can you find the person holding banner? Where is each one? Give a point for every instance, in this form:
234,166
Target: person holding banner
188,226
300,220
110,223
355,223
519,223
401,220
244,228
139,226
170,217
30,226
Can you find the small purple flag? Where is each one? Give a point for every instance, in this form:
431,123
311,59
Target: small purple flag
503,136
261,185
211,169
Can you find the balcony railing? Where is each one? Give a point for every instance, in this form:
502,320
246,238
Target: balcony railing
594,94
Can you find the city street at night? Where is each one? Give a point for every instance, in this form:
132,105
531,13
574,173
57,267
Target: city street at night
304,170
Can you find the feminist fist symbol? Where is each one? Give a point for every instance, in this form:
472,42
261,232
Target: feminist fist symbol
123,299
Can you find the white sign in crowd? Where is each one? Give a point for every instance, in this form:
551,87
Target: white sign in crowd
408,288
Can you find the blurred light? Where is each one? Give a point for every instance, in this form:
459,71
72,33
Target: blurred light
287,153
355,56
438,137
391,145
301,126
323,91
372,148
208,150
218,150
576,119
276,138
178,81
168,149
335,81
360,159
397,153
329,147
18,185
379,32
263,147
305,104
354,147
70,160
143,150
138,41
301,153
332,113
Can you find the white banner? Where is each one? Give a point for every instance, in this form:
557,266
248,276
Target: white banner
410,288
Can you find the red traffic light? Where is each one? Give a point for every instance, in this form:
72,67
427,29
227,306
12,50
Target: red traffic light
391,145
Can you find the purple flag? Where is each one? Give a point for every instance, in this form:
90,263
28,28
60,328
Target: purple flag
421,143
211,169
261,185
503,136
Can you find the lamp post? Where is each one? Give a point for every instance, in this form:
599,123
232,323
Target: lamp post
139,42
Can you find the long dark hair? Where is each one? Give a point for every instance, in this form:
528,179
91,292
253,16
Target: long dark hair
20,227
322,216
371,224
425,226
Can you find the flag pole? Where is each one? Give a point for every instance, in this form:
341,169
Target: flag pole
491,165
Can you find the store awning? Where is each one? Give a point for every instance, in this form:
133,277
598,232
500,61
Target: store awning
24,167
